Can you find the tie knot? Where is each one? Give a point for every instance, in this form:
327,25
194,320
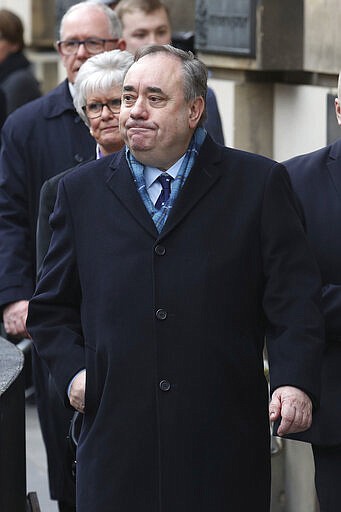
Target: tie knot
165,180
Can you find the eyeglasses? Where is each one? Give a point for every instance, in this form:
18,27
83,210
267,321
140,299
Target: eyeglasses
92,45
94,109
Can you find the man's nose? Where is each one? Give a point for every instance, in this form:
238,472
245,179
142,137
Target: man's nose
139,109
152,38
82,52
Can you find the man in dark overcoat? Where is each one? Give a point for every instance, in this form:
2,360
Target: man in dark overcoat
168,265
39,140
316,179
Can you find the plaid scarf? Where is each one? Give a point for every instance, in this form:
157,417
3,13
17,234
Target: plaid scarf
160,216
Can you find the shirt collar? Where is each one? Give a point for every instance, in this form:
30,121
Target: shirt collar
71,89
152,173
98,152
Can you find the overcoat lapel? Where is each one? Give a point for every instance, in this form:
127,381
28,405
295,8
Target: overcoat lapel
334,166
121,183
202,177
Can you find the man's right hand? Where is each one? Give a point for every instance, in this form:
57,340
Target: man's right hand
14,318
77,392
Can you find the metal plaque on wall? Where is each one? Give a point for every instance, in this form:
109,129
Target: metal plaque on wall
226,26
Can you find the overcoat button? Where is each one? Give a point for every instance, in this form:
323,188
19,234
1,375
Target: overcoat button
160,250
161,314
165,385
78,158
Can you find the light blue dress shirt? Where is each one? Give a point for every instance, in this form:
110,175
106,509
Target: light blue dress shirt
151,174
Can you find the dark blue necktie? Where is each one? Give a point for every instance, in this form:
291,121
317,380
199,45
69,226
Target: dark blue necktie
165,181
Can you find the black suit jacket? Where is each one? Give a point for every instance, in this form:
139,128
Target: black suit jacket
171,327
316,179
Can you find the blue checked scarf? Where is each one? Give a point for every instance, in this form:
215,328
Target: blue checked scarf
160,216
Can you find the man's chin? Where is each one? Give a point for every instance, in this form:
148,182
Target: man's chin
138,144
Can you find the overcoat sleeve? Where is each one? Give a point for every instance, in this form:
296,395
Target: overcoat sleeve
58,299
17,276
292,295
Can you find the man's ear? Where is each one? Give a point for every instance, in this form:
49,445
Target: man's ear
338,110
197,107
121,45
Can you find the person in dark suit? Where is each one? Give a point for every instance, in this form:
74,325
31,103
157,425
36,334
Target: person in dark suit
316,179
148,22
17,79
39,140
168,263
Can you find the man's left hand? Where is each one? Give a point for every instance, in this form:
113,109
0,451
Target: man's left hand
294,407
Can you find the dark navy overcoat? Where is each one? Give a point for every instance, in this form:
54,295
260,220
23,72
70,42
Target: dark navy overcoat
316,179
39,140
171,330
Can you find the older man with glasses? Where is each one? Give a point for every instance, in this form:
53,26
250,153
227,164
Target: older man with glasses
39,140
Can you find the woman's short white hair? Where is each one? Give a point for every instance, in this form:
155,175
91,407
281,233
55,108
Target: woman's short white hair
100,73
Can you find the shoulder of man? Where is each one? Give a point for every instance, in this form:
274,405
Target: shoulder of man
313,159
52,104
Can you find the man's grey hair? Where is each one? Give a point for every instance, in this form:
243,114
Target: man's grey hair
194,71
339,87
114,24
99,74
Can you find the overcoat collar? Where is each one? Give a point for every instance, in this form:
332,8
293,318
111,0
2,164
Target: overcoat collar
58,101
202,177
334,165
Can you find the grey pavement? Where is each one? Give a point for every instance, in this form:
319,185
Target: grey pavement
36,466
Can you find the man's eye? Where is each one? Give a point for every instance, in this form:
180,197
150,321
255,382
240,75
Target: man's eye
140,35
70,44
128,99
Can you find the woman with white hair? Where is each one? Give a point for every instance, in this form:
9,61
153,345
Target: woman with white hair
97,99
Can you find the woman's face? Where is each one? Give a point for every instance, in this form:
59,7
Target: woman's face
104,127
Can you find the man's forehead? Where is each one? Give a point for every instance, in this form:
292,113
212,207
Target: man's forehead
154,64
151,73
160,14
86,19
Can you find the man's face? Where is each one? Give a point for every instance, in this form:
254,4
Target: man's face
155,121
140,29
80,25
